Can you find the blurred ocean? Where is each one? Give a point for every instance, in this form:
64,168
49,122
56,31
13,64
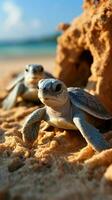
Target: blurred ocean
42,46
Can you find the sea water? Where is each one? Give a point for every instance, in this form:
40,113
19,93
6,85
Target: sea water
30,48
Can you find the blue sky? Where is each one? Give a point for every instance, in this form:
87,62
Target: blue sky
21,19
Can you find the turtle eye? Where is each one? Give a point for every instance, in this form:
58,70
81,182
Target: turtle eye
26,69
58,88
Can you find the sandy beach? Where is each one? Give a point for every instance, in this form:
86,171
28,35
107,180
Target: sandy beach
14,64
60,164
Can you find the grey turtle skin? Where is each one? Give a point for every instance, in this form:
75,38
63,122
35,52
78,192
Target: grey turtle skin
25,85
67,109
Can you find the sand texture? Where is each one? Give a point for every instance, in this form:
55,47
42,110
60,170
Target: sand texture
58,166
84,50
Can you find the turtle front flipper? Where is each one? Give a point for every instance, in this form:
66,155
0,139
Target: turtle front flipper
31,126
89,132
15,81
10,101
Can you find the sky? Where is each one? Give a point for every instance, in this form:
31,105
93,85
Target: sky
23,19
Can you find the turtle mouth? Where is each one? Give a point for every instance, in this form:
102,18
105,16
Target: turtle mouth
32,79
48,98
45,98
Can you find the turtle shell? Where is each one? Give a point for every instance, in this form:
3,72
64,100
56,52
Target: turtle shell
88,103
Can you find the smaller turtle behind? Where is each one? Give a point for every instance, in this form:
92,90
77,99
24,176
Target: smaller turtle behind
25,85
67,109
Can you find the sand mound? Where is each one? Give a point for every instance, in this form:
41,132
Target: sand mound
84,50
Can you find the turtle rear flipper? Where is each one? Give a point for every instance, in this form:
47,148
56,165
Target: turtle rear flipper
89,132
10,100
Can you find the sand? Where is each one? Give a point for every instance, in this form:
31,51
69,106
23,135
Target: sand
58,166
18,63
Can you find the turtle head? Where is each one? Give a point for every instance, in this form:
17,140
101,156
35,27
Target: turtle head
33,73
52,92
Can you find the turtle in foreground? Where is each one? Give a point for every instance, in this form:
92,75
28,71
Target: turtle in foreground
69,108
25,85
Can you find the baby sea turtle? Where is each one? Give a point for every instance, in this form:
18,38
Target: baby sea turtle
25,85
67,109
